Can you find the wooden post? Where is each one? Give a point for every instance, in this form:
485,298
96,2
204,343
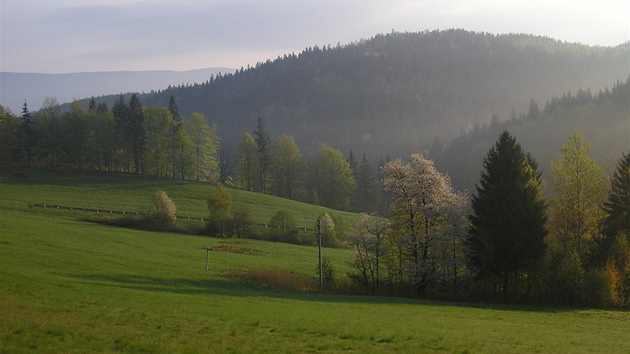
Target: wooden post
319,242
208,249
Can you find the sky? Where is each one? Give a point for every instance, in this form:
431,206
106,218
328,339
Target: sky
66,36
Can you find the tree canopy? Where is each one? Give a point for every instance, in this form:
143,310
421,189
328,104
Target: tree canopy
508,222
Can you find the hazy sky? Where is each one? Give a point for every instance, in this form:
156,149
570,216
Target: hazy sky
61,36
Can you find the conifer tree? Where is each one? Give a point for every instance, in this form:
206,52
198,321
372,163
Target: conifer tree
507,231
617,206
27,127
264,154
120,110
136,133
172,107
365,194
616,224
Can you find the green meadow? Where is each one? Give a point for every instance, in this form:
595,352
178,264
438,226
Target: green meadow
71,286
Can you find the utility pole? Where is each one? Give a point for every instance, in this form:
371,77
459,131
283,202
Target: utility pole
319,241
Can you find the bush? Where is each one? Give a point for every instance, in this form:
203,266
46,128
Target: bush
328,274
284,221
163,210
241,224
568,279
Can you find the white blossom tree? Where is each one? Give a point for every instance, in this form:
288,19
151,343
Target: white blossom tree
421,199
163,210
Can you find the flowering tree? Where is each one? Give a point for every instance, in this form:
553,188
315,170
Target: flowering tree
163,210
421,198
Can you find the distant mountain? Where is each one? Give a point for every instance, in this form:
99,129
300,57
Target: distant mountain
15,88
393,94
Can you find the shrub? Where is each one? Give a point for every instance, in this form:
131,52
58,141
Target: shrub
163,211
241,223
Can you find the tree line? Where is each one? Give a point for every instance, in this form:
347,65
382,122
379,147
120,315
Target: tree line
510,243
159,141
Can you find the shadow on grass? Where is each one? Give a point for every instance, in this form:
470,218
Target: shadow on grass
225,286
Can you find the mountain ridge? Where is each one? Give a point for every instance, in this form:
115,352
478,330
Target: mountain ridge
17,87
393,93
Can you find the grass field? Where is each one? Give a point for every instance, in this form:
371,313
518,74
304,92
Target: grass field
71,286
130,193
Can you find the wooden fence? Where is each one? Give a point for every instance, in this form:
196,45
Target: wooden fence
140,213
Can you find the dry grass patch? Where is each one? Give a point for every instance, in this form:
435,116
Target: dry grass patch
275,277
231,246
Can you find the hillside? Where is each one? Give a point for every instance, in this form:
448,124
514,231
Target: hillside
15,88
603,118
71,286
392,94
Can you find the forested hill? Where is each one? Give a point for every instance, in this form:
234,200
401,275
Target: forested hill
603,118
392,94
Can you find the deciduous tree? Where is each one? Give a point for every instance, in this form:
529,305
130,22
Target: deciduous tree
220,208
286,167
420,198
330,180
579,191
247,163
163,210
205,144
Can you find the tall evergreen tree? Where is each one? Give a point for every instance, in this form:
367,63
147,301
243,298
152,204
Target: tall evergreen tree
365,195
120,110
136,133
28,121
264,154
507,231
172,107
616,224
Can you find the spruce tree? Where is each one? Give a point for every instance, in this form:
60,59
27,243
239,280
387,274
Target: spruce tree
136,132
617,205
29,136
616,223
172,107
264,154
120,110
364,196
507,231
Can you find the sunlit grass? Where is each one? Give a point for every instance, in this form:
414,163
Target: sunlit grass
133,193
71,286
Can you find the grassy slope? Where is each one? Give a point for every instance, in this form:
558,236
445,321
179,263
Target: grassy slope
72,286
130,193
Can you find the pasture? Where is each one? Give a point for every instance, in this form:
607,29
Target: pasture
72,286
